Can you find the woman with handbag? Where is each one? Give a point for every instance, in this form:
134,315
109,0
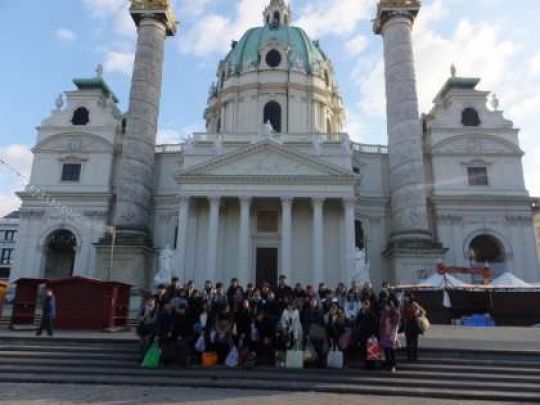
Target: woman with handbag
388,330
367,325
413,315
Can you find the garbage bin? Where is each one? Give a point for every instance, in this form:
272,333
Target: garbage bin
3,290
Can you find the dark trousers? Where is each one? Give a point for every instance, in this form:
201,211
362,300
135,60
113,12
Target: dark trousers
46,324
412,346
390,355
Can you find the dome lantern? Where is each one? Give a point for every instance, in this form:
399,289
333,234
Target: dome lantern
277,14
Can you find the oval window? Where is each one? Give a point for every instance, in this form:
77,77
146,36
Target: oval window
273,58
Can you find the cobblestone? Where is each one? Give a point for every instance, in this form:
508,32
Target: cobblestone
44,394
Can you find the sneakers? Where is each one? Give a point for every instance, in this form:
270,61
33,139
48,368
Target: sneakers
393,370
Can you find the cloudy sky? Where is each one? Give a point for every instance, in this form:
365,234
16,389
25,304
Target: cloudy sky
46,44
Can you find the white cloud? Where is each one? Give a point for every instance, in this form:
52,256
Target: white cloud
169,136
119,62
213,33
104,7
14,174
65,35
324,17
193,8
356,45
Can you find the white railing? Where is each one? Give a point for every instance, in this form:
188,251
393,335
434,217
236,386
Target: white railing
176,148
372,149
203,137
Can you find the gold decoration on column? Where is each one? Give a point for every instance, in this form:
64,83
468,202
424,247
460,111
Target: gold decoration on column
158,9
399,3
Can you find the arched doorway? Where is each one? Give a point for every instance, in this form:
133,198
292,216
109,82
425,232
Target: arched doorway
272,113
488,249
60,252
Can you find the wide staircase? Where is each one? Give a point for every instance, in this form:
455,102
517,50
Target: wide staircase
464,375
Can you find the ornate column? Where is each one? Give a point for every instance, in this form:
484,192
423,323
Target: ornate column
213,228
181,236
155,21
349,216
318,239
243,240
286,236
411,247
408,196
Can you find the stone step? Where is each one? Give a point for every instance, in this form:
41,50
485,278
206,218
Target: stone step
67,355
70,349
447,391
523,383
470,368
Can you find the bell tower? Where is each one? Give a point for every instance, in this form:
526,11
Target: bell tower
277,13
411,247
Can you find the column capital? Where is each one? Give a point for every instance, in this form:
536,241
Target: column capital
388,9
245,199
318,200
286,200
214,198
349,200
160,10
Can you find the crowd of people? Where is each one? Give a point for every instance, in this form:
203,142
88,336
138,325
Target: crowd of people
264,323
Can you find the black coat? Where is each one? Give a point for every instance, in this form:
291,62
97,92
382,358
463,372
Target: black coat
367,325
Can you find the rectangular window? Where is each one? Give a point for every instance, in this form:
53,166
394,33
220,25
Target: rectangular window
267,221
10,236
477,176
5,257
4,273
71,172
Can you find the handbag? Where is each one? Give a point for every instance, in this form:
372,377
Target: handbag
335,359
233,358
209,359
374,352
294,359
200,345
423,324
152,357
310,355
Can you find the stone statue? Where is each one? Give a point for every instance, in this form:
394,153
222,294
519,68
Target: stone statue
361,267
164,274
453,70
59,102
495,102
99,70
268,129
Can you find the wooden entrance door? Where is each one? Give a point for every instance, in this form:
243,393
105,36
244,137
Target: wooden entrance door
267,266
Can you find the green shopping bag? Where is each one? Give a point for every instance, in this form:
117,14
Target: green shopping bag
152,357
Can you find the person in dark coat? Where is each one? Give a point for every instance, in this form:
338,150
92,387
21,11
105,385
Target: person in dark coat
314,327
367,325
49,313
283,292
411,312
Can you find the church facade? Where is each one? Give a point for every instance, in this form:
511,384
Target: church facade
274,186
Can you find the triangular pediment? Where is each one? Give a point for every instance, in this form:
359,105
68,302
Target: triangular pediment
266,159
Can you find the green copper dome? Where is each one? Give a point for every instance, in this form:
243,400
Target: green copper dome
302,50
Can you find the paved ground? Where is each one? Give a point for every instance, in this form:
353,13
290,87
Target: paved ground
444,337
26,394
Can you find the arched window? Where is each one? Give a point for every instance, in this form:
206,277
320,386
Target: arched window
273,58
277,17
487,248
470,118
218,126
222,81
272,113
81,116
60,251
326,79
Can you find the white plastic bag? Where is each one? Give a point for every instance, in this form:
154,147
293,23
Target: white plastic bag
233,358
335,359
294,359
200,345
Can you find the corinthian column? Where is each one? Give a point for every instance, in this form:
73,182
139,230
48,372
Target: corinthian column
155,20
394,22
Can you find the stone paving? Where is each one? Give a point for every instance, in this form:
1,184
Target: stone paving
43,394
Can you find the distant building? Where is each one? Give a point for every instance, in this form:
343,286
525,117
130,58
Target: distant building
9,226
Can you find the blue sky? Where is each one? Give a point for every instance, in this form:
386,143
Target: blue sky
46,44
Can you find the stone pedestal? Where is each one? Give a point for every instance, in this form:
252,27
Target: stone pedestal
132,259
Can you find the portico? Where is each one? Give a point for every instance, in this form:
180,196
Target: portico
238,216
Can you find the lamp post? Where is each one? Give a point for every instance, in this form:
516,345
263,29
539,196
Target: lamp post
112,231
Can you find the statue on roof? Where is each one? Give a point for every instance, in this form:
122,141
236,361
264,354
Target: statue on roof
59,102
99,71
